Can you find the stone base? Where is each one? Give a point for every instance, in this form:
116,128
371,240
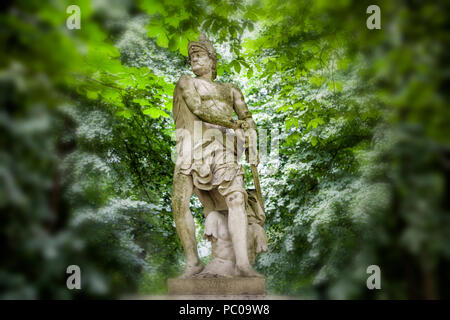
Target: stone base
217,286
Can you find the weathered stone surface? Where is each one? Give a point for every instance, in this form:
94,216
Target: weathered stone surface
217,286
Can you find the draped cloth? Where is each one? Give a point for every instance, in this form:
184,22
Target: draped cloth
207,152
217,170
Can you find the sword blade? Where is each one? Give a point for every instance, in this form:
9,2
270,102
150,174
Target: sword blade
257,186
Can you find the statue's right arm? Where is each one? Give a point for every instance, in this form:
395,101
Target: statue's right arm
194,103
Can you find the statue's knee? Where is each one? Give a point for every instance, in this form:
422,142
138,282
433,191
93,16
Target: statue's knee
235,199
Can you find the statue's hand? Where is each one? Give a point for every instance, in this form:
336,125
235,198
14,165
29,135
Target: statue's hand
245,125
241,124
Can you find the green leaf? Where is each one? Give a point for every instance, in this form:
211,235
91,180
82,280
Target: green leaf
153,7
298,105
236,66
291,122
162,40
250,73
292,138
283,108
183,46
314,123
317,80
155,113
220,69
92,95
124,113
154,30
142,101
168,105
173,42
168,88
343,63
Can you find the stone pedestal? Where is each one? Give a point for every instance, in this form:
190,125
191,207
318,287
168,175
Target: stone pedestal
217,286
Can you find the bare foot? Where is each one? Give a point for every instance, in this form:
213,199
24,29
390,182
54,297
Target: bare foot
248,271
191,270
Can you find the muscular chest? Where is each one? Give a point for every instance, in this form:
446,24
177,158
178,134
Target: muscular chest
214,92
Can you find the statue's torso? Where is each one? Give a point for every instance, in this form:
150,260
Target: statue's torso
216,97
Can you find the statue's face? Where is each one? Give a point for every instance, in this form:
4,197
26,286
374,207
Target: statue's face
201,63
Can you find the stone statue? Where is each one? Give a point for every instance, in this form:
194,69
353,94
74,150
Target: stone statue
209,145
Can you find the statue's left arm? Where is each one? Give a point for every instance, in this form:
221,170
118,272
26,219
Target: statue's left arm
241,109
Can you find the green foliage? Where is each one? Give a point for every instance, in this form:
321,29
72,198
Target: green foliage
332,220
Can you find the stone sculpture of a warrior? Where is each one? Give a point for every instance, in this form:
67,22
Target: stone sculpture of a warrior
210,142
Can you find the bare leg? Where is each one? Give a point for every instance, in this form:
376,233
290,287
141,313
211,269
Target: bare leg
182,192
206,200
237,226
